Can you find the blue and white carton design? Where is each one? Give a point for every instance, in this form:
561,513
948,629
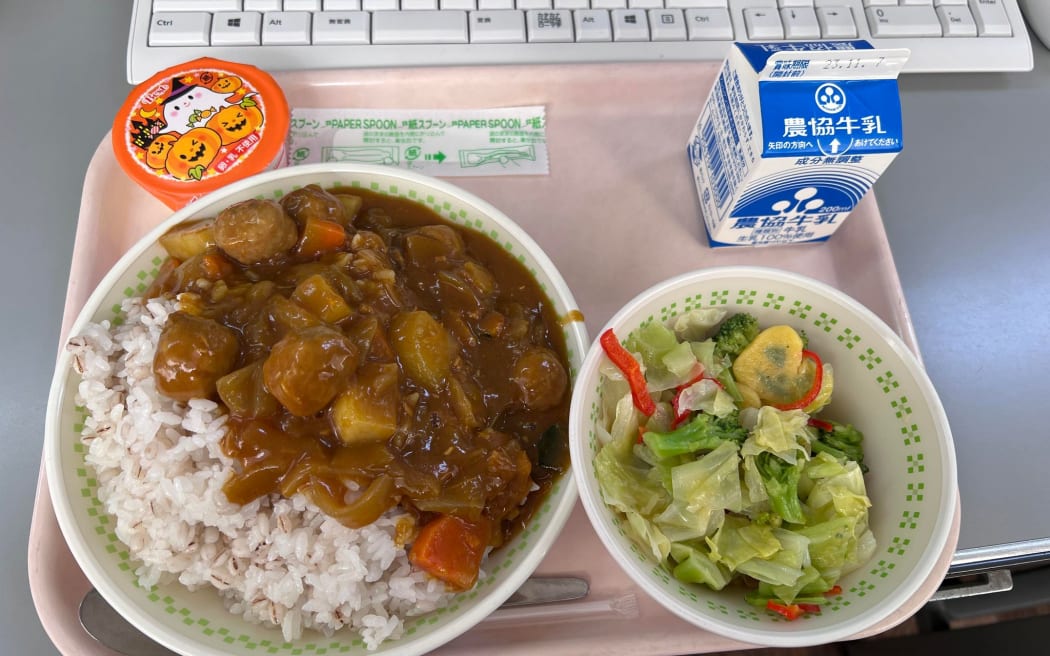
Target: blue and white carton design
791,137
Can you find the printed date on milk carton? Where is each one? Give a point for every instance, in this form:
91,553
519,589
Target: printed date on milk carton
791,137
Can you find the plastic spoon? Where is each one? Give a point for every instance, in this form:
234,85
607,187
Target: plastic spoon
110,629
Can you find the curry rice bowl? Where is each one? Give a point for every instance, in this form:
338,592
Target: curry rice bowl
160,470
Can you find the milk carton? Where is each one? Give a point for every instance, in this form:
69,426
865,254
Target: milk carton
792,136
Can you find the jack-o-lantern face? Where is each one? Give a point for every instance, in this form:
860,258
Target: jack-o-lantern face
227,84
235,122
158,149
189,157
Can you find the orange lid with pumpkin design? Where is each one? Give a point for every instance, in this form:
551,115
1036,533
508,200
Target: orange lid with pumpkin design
193,128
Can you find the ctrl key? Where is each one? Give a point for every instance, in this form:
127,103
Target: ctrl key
189,28
708,24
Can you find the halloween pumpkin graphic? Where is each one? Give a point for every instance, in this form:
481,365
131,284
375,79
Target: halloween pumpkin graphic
227,84
157,151
189,157
236,122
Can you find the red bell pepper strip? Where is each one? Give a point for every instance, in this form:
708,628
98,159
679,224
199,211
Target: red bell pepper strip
679,414
835,590
814,390
790,611
626,363
825,426
679,417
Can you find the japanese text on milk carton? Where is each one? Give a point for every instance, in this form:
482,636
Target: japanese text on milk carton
791,138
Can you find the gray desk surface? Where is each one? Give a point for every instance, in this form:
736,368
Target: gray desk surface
965,207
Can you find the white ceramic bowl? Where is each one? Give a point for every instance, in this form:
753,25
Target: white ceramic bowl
196,622
880,387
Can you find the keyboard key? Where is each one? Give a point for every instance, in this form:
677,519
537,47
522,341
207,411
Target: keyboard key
465,5
341,5
549,25
302,5
903,21
534,4
419,27
918,3
180,29
286,28
379,5
262,5
667,24
645,4
956,21
708,25
571,4
800,23
880,3
236,28
629,25
763,24
416,5
211,6
991,18
592,25
495,4
609,4
795,3
836,23
341,27
691,4
501,26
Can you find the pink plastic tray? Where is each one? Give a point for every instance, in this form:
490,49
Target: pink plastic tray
617,214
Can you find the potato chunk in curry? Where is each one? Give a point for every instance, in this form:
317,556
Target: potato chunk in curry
367,409
423,347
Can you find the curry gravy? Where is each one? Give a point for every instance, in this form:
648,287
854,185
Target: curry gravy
443,387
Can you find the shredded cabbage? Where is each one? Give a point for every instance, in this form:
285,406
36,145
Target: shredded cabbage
696,325
707,396
780,432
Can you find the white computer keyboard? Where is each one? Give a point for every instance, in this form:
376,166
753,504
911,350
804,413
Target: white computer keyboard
943,35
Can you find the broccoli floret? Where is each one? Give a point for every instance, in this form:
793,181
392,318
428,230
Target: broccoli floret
843,441
704,433
781,481
729,427
735,333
